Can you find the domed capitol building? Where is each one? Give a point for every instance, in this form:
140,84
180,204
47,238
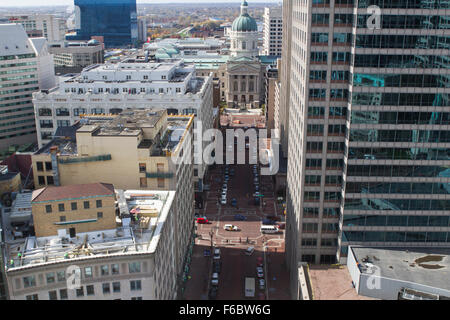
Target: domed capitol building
244,71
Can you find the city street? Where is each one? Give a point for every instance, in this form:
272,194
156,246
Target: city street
236,265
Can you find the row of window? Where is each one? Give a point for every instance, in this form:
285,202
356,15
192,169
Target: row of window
396,171
395,236
124,90
73,206
397,188
324,242
396,204
401,80
60,276
328,196
401,99
399,153
315,112
405,4
329,180
312,164
399,221
407,21
338,38
374,135
326,227
402,41
394,117
400,61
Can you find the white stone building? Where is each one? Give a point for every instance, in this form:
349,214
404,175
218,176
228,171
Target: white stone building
25,67
273,31
112,88
42,25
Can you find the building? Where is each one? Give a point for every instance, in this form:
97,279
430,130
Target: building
368,150
142,30
9,182
271,78
26,67
135,259
244,72
399,274
42,25
74,56
114,20
273,31
93,209
107,89
139,149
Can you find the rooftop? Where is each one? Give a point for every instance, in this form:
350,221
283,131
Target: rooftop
131,237
416,265
68,192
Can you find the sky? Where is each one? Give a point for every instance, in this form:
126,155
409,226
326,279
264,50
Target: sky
19,3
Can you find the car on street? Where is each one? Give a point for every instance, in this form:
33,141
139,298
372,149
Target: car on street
262,284
225,187
226,178
202,220
206,253
215,279
216,254
223,201
234,202
230,227
249,251
213,292
216,266
239,217
282,226
256,187
260,272
268,222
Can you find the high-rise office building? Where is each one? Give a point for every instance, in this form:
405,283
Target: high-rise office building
368,127
25,67
42,25
273,31
114,20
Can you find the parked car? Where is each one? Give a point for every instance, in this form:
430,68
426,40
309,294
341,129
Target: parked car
260,272
268,222
239,217
249,251
262,284
216,266
215,279
223,201
213,292
234,202
216,254
256,187
230,227
202,220
282,226
206,253
225,187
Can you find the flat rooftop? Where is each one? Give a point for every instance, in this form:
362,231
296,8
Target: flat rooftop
430,267
132,236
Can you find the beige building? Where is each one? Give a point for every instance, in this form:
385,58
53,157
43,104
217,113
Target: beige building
59,211
9,181
77,54
133,260
138,149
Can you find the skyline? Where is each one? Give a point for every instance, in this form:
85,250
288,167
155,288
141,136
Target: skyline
32,3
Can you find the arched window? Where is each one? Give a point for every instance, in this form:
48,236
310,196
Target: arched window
235,86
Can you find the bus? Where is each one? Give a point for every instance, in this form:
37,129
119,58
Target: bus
269,229
249,287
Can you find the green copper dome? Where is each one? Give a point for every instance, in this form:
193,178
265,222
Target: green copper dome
244,23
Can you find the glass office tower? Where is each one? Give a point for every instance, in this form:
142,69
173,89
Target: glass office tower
114,20
398,143
369,127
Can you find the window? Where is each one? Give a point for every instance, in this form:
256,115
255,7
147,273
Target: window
90,290
52,295
50,277
106,288
86,204
50,180
98,203
40,166
61,276
104,270
62,218
48,208
135,285
32,297
143,182
142,168
63,294
134,267
80,292
136,298
88,272
41,180
61,207
116,287
115,269
99,215
74,206
161,182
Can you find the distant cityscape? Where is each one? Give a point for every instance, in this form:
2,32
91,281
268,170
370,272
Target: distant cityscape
290,150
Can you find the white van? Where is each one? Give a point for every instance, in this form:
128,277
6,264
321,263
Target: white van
269,229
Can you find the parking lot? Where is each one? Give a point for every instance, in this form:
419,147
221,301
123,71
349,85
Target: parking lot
235,264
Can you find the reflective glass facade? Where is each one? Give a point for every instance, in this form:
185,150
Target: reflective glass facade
115,20
397,176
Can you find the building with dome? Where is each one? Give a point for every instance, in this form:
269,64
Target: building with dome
244,72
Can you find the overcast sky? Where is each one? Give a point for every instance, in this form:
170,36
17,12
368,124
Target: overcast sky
17,3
